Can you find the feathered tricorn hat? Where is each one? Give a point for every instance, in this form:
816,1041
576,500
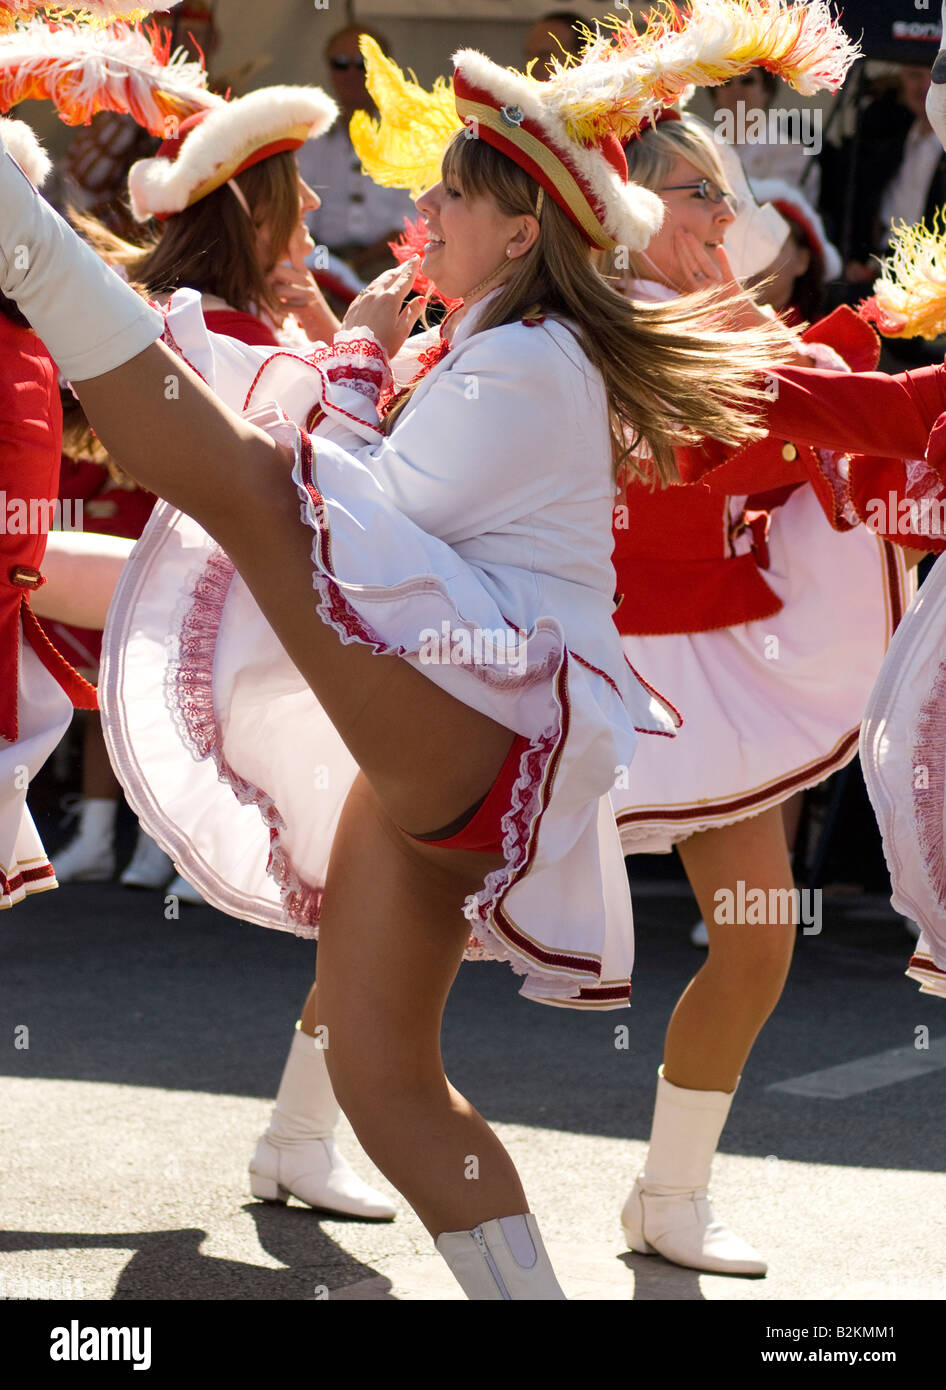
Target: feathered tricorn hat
566,131
20,140
213,146
86,68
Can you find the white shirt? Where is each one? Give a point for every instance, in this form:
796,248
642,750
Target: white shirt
354,208
907,192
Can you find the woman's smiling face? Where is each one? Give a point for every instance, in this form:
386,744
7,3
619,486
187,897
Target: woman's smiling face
687,210
469,238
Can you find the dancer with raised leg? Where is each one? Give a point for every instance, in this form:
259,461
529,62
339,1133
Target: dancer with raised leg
412,526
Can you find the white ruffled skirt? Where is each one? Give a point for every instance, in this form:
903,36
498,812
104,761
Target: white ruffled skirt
234,768
903,754
773,706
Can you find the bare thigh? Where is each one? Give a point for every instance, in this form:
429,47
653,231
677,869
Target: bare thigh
391,940
428,755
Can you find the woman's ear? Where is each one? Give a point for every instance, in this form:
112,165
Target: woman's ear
524,238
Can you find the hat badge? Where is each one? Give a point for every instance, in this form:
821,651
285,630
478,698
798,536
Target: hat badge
512,115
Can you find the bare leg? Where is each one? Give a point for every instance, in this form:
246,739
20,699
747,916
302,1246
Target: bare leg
729,999
390,943
98,779
791,818
308,1021
428,756
709,1038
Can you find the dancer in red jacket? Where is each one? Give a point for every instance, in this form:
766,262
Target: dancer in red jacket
768,627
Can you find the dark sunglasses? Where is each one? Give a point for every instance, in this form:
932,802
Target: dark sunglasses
706,188
342,64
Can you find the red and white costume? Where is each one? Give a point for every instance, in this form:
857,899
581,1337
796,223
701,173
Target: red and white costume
470,513
765,625
38,688
903,739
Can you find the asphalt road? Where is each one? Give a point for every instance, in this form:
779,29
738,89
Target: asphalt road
155,1047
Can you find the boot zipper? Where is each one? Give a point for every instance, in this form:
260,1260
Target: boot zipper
477,1234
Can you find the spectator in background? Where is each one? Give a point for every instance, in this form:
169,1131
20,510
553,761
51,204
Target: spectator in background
918,188
360,218
781,155
896,172
551,34
899,173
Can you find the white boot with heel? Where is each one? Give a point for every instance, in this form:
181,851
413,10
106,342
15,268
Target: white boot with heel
668,1211
297,1157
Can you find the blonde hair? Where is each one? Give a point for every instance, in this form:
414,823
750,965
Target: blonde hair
672,373
652,155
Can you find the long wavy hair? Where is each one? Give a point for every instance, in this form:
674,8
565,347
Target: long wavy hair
211,246
673,373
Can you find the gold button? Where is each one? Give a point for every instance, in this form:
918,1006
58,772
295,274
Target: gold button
789,453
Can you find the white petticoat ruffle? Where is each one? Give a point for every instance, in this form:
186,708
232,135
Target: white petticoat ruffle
772,706
903,754
233,767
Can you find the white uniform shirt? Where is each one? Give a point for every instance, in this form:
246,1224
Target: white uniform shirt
354,208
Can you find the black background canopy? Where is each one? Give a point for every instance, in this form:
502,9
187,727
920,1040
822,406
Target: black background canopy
898,31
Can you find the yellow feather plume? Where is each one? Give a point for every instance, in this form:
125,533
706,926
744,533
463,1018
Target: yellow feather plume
402,149
909,299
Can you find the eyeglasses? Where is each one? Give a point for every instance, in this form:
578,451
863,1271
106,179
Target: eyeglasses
707,189
342,63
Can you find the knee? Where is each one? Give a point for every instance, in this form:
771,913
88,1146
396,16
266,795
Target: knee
754,958
368,1071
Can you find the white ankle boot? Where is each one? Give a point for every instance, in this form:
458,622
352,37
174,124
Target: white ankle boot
150,867
89,319
89,857
668,1211
501,1261
297,1155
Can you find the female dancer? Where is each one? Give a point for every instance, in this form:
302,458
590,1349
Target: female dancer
773,627
418,555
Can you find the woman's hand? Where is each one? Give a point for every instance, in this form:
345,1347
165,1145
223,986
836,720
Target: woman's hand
700,269
381,308
296,289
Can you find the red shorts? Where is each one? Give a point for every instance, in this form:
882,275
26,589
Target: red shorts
483,832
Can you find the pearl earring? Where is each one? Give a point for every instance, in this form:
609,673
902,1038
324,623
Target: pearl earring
508,251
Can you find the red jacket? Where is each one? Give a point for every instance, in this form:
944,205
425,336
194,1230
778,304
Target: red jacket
30,447
674,557
895,428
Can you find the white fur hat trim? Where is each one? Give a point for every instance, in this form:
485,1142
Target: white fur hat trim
213,151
